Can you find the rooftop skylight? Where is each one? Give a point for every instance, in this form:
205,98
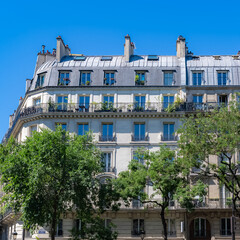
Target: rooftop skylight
106,58
79,58
152,57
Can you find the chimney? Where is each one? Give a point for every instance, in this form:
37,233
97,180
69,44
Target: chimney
10,120
54,52
62,49
128,48
28,84
43,49
20,100
181,47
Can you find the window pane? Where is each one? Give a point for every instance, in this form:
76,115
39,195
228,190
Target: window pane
105,130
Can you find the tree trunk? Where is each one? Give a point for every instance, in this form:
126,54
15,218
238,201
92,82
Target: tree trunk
165,233
54,221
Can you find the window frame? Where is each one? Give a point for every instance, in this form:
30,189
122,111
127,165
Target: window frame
221,79
200,230
40,80
141,79
197,78
226,231
87,81
85,105
111,80
107,138
140,226
65,81
170,137
166,79
168,103
140,137
83,124
107,168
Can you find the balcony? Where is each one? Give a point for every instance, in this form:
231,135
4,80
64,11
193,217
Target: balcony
140,138
113,107
107,138
109,169
136,203
166,138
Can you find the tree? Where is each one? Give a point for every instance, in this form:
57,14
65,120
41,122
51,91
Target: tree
168,177
52,173
215,133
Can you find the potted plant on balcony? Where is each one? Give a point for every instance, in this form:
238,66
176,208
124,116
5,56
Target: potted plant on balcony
129,107
87,83
51,106
137,79
142,82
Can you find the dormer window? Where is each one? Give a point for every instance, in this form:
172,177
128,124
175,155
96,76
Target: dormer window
64,78
85,78
40,80
168,78
109,78
222,78
140,78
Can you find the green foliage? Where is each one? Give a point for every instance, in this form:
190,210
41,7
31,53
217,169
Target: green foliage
168,175
215,133
53,173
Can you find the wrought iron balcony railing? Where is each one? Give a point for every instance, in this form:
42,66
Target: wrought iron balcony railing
169,137
109,107
108,169
107,138
140,138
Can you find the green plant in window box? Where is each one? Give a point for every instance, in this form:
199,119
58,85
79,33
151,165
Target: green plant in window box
170,108
137,79
87,83
129,107
142,82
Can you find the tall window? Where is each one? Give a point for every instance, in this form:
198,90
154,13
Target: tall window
107,162
197,100
197,78
84,103
83,128
167,100
140,78
171,227
225,226
107,132
37,101
59,230
139,132
108,101
33,129
40,80
168,78
138,226
139,104
64,78
62,125
225,197
85,78
109,78
138,157
62,103
222,100
168,132
222,78
200,227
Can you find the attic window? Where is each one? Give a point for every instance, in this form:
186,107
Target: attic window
106,58
195,57
80,58
152,57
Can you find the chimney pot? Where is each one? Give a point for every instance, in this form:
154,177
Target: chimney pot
128,48
43,48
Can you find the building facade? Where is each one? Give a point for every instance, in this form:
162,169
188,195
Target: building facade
126,101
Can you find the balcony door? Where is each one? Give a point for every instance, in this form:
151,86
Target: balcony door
200,229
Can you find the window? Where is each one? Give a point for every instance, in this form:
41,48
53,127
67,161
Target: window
168,78
106,58
139,104
79,228
107,163
139,132
37,101
77,224
40,80
140,78
197,100
225,197
138,157
152,57
85,78
108,101
168,132
79,58
167,100
107,132
84,103
222,78
62,103
64,79
225,227
83,128
138,227
33,129
171,227
222,100
197,78
199,227
109,78
59,230
62,125
107,223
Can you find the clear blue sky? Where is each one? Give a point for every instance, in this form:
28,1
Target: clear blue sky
98,28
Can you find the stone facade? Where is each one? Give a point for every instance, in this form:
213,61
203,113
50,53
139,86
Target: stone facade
103,92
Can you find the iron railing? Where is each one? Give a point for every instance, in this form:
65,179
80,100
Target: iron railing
140,138
107,138
111,107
